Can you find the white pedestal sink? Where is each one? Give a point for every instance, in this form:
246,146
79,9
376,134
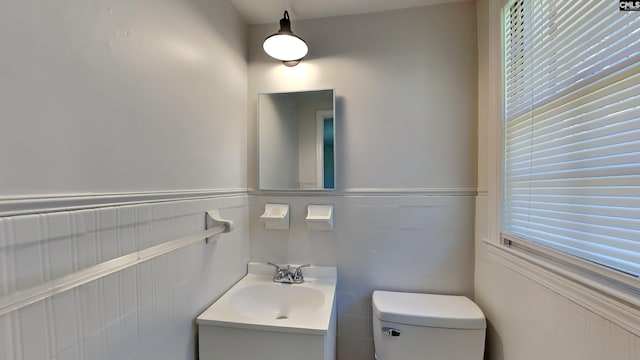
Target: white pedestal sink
260,319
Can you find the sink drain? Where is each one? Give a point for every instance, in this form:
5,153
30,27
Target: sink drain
282,317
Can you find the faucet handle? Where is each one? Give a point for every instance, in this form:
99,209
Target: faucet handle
281,271
297,273
278,267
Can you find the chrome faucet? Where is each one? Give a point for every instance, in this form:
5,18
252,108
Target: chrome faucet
284,274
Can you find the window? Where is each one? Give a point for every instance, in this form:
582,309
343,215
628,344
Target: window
572,133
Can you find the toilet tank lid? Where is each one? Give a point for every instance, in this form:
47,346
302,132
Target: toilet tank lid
430,310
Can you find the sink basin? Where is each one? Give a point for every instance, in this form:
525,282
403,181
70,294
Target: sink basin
260,319
276,301
257,303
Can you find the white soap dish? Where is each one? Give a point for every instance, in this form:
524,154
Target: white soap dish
319,217
275,217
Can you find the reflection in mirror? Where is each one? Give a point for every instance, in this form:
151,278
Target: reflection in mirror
296,133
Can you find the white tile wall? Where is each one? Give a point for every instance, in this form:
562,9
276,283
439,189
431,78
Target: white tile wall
144,312
413,243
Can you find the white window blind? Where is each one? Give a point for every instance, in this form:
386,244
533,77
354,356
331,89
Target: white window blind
572,129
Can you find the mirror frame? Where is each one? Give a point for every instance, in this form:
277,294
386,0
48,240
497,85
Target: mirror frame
319,112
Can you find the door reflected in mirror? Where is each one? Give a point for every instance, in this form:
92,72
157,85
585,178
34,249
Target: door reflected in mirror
296,140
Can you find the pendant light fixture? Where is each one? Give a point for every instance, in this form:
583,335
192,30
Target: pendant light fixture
285,45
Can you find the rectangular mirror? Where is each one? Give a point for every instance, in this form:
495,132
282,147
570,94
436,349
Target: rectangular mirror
296,133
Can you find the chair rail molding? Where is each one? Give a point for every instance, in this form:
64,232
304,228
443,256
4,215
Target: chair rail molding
46,203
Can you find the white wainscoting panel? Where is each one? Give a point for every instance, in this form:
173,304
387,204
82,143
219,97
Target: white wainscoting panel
143,312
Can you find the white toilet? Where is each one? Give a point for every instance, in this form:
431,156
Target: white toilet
408,326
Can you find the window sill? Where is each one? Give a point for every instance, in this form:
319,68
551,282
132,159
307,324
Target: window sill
612,303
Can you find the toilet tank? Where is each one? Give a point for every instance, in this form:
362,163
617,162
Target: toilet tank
408,326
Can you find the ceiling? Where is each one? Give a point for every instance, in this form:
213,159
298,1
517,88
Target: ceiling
270,11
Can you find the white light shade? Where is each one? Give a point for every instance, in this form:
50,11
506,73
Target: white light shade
285,47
